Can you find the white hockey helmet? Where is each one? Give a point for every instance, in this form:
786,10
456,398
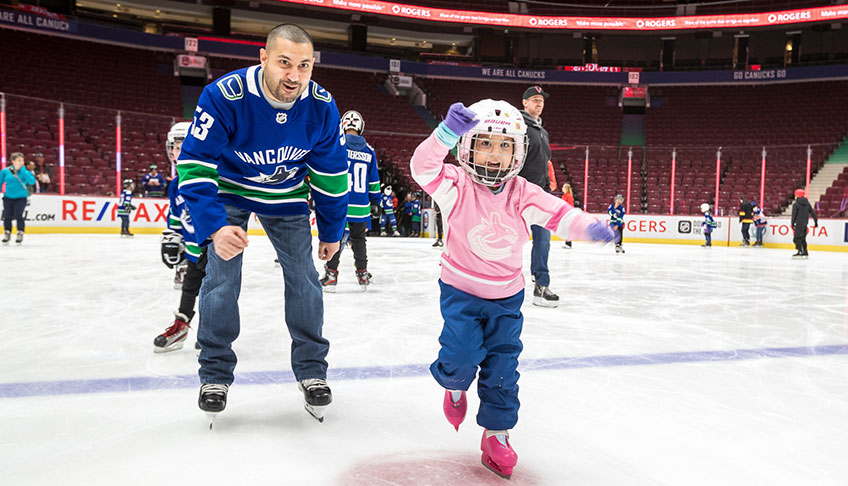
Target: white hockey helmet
705,207
127,183
176,135
496,118
352,120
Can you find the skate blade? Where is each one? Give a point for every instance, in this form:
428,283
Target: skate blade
330,289
317,411
506,473
540,302
178,286
167,349
363,288
211,416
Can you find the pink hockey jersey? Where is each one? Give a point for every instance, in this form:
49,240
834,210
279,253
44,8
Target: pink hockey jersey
485,232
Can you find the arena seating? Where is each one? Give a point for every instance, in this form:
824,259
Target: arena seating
101,80
743,119
830,204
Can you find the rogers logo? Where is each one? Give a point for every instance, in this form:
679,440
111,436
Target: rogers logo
788,17
554,22
418,12
655,23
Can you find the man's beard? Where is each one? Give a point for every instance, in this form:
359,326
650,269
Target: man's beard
284,96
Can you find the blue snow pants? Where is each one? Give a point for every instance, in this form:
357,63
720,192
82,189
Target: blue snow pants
486,334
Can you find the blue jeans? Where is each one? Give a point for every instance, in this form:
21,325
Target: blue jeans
486,334
709,237
304,305
539,255
761,230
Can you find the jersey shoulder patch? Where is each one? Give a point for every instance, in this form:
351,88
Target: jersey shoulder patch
231,87
320,93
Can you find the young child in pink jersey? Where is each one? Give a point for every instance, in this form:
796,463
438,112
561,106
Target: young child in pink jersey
487,214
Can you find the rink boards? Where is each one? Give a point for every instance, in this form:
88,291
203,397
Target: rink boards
84,214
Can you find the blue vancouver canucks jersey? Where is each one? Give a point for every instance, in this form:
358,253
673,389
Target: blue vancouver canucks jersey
709,223
179,220
616,215
125,203
387,203
364,179
242,151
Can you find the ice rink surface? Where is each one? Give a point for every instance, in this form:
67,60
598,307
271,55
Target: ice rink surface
669,365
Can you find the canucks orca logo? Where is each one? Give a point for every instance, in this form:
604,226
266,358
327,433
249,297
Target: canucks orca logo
492,239
282,174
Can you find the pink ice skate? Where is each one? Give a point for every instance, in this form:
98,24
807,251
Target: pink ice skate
498,455
455,411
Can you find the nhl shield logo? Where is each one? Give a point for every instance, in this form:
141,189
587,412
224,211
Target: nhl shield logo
281,118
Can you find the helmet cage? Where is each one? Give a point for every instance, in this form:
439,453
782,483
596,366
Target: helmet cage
481,173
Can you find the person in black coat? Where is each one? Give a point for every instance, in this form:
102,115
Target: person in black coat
746,217
801,211
535,170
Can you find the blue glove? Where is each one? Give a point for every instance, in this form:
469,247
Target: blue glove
457,122
460,119
599,231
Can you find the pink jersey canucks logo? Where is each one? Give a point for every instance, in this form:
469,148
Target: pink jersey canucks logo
491,239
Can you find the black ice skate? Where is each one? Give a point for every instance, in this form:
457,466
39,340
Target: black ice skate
543,297
619,249
19,238
329,280
6,236
438,243
174,336
364,279
212,400
316,396
798,256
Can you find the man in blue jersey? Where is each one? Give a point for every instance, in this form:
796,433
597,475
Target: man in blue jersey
256,135
364,181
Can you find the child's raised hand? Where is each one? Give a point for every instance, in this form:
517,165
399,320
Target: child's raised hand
599,231
460,119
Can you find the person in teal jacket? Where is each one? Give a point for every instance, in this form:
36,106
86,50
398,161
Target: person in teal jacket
16,177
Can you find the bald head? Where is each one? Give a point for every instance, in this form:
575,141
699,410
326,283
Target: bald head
290,32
